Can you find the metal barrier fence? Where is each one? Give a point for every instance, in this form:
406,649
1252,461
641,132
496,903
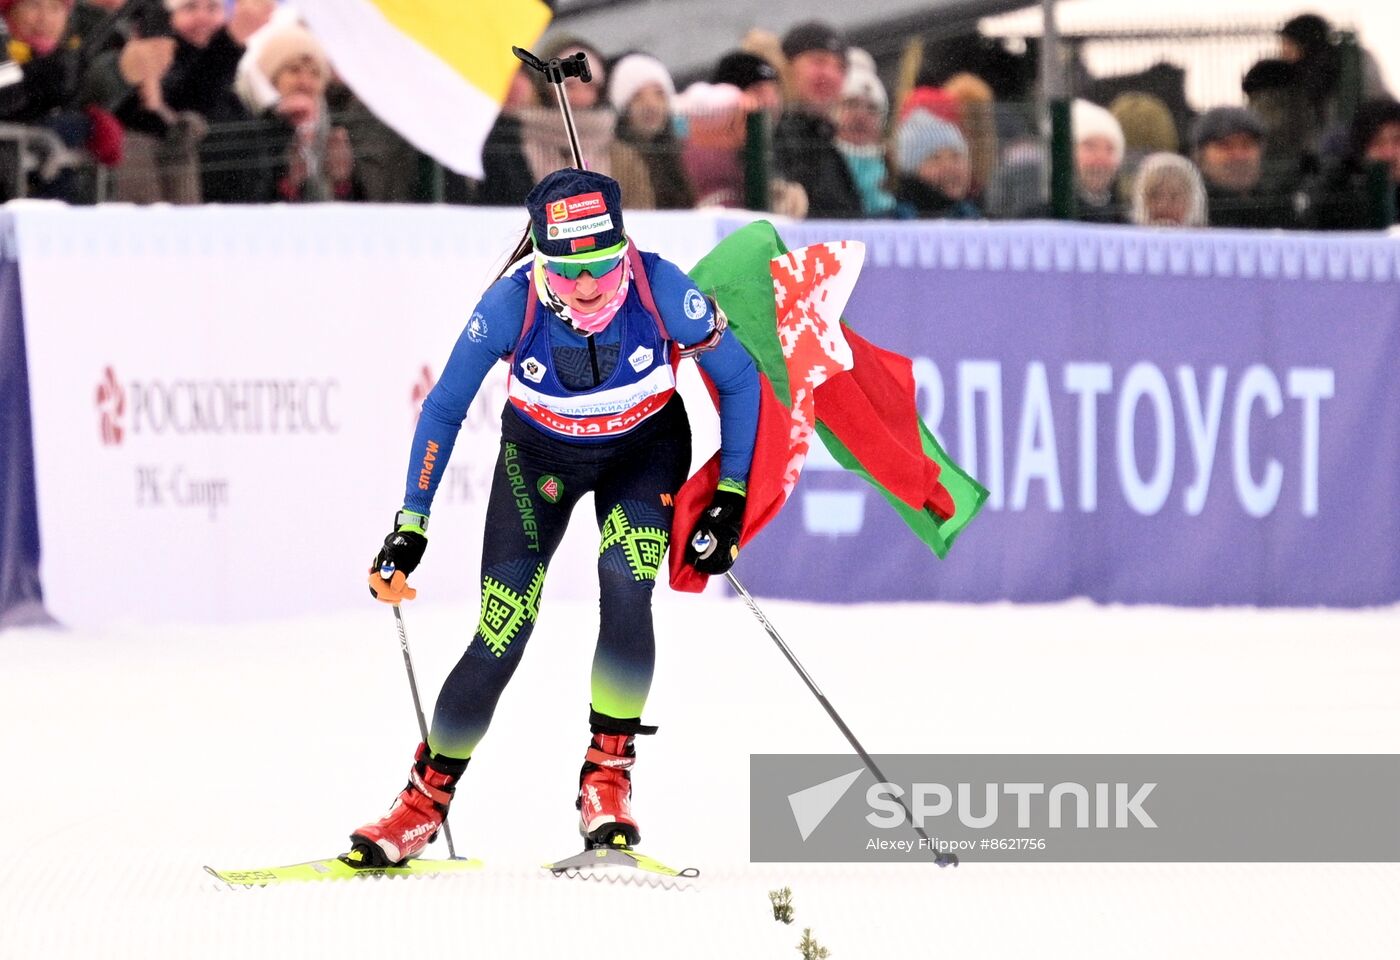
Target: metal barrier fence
1010,168
31,155
1202,65
1189,69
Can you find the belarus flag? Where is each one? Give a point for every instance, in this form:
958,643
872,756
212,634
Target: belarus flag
818,376
434,70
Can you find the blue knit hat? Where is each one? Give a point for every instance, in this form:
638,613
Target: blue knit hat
920,136
575,211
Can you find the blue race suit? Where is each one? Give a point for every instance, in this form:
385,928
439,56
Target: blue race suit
587,414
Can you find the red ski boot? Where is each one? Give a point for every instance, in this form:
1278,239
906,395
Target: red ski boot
416,815
605,782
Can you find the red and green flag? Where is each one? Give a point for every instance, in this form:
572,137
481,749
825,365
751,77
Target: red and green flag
819,376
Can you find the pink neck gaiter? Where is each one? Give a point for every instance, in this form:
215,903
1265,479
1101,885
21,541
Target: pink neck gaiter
586,323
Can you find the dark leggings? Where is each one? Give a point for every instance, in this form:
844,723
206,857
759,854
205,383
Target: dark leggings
538,480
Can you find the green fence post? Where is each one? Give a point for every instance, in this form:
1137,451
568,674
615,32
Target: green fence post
1062,205
1380,196
439,182
756,161
430,185
1350,85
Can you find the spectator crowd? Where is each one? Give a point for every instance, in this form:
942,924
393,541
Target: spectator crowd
188,101
180,101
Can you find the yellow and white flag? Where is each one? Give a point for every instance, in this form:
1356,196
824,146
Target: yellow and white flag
434,70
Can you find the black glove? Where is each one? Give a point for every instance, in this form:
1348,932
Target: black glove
714,543
401,554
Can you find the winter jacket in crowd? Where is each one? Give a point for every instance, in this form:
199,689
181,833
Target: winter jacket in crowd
1342,197
507,180
200,80
44,83
546,146
804,151
918,200
1256,208
670,183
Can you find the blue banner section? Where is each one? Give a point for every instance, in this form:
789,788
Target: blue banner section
21,600
1160,417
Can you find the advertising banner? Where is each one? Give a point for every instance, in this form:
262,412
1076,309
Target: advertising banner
223,400
1160,417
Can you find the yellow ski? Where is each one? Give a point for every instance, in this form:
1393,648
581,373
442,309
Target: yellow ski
339,868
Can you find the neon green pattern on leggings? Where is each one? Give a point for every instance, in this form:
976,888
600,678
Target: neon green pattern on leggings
643,547
618,696
504,611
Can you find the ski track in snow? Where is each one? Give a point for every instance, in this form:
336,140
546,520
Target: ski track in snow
133,755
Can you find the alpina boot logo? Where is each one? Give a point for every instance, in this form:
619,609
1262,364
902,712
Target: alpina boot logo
423,828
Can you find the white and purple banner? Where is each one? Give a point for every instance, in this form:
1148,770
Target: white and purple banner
222,401
1160,417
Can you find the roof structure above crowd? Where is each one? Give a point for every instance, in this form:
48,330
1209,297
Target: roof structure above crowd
689,37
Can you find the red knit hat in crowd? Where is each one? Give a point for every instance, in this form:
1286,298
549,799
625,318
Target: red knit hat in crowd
934,100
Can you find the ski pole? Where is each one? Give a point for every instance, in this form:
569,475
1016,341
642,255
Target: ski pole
555,72
943,859
387,571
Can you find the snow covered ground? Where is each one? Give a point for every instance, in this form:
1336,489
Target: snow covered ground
132,756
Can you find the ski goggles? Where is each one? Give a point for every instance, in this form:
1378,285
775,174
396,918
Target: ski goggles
595,264
607,283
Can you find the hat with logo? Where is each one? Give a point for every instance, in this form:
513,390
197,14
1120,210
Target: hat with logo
575,211
743,70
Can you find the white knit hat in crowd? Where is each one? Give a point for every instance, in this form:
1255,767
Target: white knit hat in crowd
632,73
862,82
1160,167
287,45
1092,120
859,59
706,98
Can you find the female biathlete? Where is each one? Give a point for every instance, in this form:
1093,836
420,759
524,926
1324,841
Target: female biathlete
593,330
